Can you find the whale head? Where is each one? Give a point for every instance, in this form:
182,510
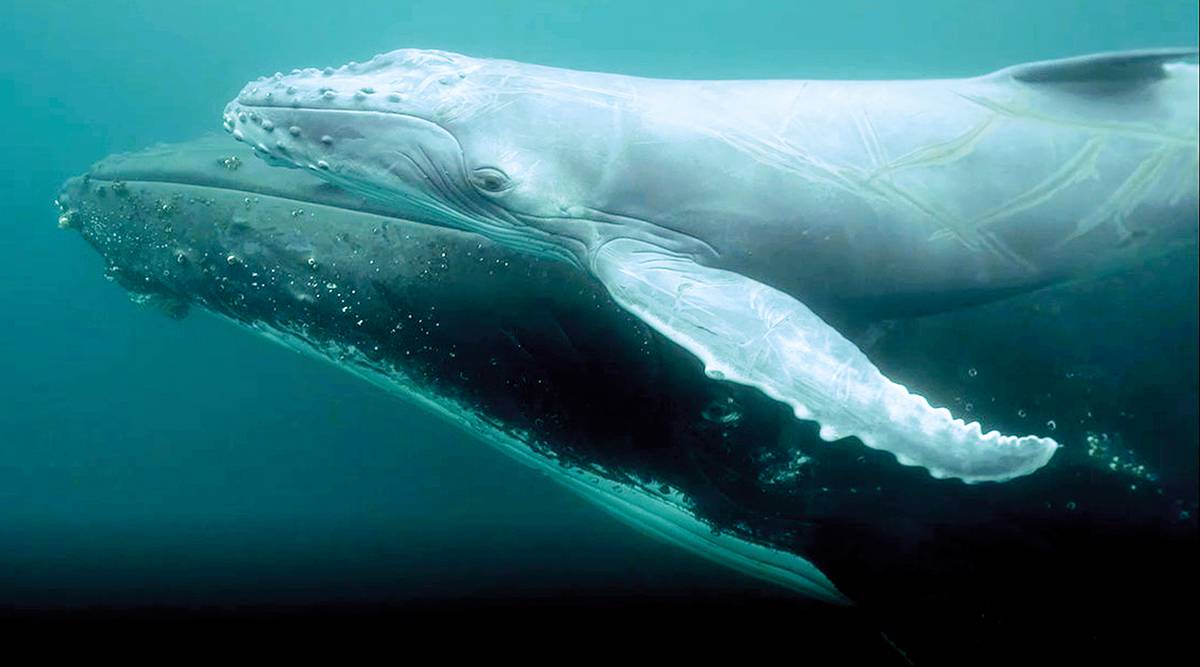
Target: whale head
534,157
439,136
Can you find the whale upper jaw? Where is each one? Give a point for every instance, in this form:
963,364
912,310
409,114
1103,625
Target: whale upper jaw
307,118
407,81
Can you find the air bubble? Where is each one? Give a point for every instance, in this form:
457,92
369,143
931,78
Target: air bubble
722,411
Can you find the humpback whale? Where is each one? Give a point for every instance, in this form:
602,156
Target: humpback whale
520,354
737,218
536,359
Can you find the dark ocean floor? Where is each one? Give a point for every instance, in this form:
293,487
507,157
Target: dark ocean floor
599,624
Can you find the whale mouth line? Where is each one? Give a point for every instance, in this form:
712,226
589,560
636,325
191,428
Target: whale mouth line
255,187
288,107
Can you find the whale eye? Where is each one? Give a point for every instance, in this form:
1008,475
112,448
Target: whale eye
490,180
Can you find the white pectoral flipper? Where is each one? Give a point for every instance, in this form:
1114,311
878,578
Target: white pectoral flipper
749,333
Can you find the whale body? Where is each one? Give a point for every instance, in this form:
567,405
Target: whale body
536,359
734,216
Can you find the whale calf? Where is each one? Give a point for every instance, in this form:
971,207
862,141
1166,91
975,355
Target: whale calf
736,217
520,354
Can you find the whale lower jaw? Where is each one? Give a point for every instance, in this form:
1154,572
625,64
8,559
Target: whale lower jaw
665,516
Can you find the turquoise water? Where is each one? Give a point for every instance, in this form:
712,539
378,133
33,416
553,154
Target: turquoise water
147,460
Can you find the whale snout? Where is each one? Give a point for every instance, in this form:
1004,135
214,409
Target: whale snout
68,200
331,120
404,81
274,135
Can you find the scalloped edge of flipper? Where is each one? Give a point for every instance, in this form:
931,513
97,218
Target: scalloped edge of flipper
752,334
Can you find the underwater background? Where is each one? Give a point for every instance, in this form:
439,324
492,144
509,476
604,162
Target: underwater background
150,461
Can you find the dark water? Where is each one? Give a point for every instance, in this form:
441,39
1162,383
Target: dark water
149,461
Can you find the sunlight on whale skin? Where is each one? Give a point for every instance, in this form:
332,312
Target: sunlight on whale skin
719,211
